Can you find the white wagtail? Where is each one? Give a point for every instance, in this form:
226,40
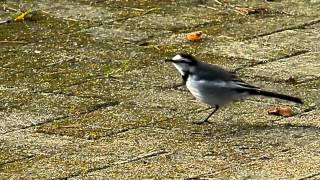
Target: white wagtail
215,86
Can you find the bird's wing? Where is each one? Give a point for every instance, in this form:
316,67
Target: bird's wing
243,84
211,72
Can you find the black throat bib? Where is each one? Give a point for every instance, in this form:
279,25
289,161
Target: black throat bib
185,76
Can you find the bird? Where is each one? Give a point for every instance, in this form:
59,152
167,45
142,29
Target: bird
215,86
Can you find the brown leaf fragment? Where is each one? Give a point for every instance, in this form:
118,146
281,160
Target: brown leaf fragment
194,36
250,10
291,80
281,111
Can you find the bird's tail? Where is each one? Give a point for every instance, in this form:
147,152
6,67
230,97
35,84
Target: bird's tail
275,95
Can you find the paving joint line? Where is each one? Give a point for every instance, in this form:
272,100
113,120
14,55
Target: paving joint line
134,159
16,160
86,111
309,176
298,26
296,53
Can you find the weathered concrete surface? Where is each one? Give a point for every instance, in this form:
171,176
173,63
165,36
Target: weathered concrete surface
85,95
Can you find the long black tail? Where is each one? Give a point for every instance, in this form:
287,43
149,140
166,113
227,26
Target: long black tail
275,95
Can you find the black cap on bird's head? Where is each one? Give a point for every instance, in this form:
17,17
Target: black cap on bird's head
183,62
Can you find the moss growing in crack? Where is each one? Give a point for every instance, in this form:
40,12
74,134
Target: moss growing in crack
118,68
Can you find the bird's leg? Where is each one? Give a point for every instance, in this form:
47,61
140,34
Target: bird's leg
206,119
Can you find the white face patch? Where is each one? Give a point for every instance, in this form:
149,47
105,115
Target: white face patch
179,65
179,68
180,58
177,57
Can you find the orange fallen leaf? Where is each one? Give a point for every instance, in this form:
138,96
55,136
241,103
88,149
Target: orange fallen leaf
281,111
194,36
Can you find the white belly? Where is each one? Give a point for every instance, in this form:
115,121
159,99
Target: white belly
193,87
211,93
197,90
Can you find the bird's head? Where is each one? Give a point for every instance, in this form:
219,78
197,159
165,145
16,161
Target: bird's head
183,62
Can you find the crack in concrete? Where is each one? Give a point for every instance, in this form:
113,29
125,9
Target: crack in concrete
247,162
134,159
113,133
207,175
85,80
91,109
69,59
37,124
295,53
16,160
309,176
49,93
90,23
280,81
70,94
299,26
315,128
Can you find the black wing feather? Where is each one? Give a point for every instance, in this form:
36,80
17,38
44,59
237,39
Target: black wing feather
212,72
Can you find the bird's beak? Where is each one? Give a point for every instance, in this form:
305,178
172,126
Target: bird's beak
168,60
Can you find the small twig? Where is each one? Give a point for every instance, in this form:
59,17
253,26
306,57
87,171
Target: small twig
97,127
143,156
71,127
16,42
11,9
150,10
309,176
208,7
135,9
61,61
217,1
70,19
45,12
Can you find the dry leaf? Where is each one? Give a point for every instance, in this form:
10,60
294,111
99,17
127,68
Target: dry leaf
291,80
194,36
250,10
281,111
